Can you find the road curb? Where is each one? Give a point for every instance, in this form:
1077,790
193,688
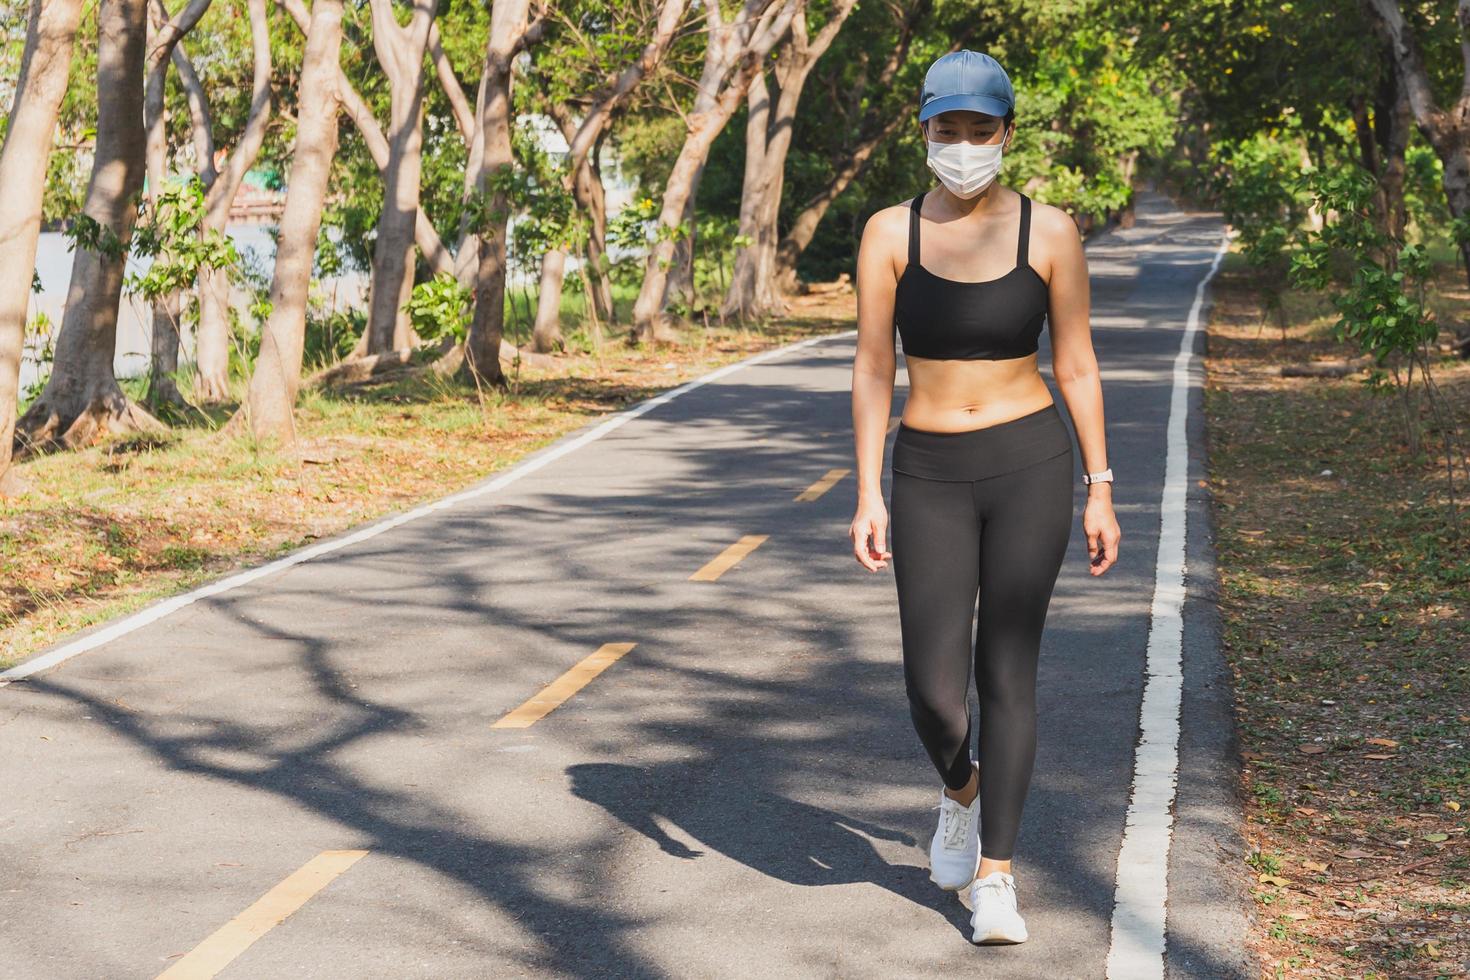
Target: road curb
1210,911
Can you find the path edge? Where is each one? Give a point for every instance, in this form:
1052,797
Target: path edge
1210,911
99,634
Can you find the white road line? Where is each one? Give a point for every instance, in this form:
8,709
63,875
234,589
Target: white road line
1136,946
163,608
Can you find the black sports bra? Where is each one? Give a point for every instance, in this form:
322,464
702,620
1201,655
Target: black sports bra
991,320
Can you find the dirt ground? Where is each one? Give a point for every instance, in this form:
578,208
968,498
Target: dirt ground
1345,594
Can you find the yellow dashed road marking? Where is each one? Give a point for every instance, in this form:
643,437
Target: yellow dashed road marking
823,485
555,693
236,936
728,558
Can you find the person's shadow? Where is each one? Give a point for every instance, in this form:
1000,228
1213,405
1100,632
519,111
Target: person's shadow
793,842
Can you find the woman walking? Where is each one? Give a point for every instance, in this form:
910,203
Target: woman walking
982,498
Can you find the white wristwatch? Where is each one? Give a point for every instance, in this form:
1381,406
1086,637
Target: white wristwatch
1106,476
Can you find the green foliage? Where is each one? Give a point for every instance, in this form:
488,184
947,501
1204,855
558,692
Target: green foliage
630,231
717,240
169,232
1254,182
40,336
1084,113
331,334
440,307
86,232
1381,305
1424,196
549,217
255,276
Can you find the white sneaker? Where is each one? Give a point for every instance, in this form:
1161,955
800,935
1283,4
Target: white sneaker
995,919
954,852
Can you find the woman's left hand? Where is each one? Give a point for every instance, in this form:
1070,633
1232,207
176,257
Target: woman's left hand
1101,525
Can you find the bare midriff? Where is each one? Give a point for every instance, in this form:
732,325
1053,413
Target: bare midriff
955,395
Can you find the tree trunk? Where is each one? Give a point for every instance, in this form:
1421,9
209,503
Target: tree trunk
681,266
269,405
400,52
82,399
589,195
880,120
1447,131
23,160
754,291
508,21
435,253
163,359
593,199
804,227
751,293
546,335
212,335
167,310
1383,140
585,140
733,58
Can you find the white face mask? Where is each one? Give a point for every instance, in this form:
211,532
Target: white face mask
965,168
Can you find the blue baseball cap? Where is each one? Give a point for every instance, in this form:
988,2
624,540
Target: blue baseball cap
966,79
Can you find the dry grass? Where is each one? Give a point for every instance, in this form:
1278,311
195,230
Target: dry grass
106,530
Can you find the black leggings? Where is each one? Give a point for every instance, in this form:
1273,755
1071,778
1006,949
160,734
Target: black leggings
990,511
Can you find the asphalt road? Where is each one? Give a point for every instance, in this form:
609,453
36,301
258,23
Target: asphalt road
303,777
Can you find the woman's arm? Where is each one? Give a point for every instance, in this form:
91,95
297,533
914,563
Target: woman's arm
1074,368
873,371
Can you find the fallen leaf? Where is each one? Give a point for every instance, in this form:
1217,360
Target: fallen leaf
1382,741
1355,853
1379,755
1275,880
1453,805
1314,866
1311,749
1436,838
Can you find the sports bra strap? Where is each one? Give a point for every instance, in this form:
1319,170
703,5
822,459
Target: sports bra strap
914,229
1023,242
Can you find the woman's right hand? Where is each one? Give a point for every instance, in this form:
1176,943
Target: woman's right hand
869,534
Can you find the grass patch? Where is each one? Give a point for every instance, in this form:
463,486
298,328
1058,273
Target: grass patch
106,530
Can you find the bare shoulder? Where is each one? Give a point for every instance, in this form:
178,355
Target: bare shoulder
885,237
888,223
1052,223
1056,243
